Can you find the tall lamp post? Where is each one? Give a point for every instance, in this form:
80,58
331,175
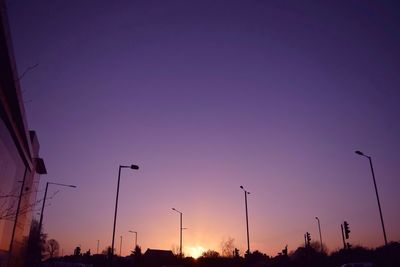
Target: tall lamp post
180,228
120,247
247,219
44,201
133,167
376,192
134,232
319,229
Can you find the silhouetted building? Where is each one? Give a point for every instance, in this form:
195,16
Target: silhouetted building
20,165
158,258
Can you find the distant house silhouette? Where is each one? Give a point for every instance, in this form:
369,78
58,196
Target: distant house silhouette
159,258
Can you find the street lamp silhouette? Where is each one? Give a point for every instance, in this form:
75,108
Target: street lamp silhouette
376,192
44,201
180,228
120,247
247,219
319,229
135,238
133,167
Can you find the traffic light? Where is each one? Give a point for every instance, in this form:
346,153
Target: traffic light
308,236
346,229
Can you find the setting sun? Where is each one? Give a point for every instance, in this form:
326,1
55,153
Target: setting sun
195,251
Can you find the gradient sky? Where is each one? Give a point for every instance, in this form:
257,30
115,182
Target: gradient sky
206,96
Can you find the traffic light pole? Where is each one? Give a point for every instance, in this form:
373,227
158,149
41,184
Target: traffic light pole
308,239
344,243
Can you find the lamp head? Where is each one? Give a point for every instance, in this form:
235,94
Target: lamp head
359,153
241,186
134,167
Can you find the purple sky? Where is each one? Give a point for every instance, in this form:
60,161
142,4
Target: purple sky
206,96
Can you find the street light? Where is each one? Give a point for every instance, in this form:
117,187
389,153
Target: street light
180,244
247,219
133,167
120,247
135,238
44,201
319,228
376,192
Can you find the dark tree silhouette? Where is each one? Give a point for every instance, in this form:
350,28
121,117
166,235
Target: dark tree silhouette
53,248
107,251
137,252
228,247
36,244
210,254
258,256
317,247
87,253
136,256
8,205
236,253
77,251
176,251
